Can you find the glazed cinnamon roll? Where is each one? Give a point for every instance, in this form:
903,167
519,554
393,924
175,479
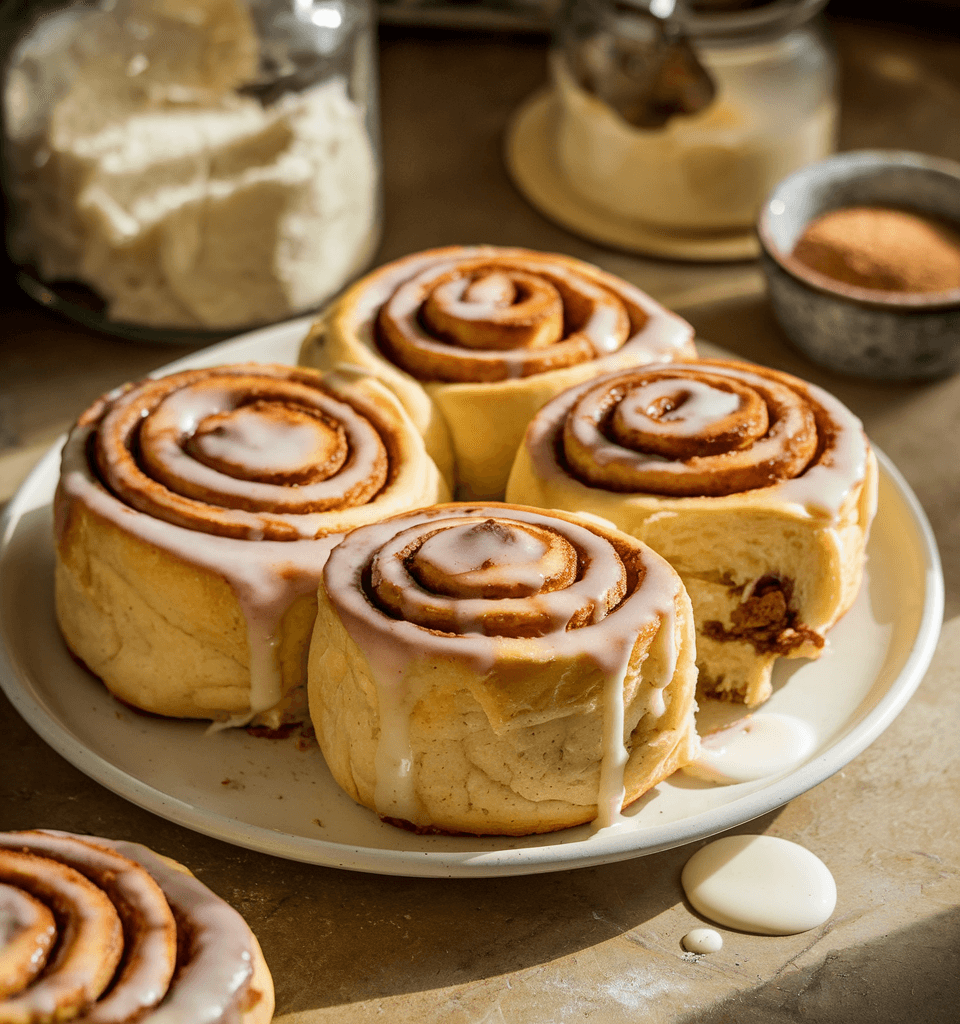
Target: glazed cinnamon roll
109,932
757,487
474,339
496,669
193,517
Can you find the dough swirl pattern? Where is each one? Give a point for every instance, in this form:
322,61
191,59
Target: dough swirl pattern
194,514
108,932
758,487
499,669
474,339
251,452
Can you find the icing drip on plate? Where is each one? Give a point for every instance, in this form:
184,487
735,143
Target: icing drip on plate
756,747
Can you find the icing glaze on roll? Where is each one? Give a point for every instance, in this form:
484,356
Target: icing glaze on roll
706,429
183,954
473,320
483,585
758,488
483,314
474,339
197,449
252,473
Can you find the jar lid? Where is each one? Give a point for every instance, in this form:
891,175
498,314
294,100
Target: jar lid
728,18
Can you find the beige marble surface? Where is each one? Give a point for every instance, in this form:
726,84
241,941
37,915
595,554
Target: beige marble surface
600,944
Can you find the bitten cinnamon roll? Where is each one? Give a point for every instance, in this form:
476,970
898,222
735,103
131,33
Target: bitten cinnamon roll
757,487
495,669
108,932
474,339
193,517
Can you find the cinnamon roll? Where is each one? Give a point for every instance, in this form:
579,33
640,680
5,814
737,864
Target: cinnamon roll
758,488
474,339
108,932
193,516
496,669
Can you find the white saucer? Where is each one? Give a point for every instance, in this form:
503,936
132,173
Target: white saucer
531,162
279,798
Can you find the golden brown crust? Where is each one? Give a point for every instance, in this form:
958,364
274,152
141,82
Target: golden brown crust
193,517
128,943
474,339
766,524
497,703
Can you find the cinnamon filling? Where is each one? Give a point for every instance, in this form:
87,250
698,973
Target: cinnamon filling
495,577
766,621
709,429
487,319
126,938
240,451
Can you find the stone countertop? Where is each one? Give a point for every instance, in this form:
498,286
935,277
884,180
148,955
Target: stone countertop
599,943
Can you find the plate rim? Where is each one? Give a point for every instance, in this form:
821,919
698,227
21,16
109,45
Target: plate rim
472,863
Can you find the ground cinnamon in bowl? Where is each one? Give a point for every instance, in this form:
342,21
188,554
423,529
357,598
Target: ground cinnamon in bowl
882,249
861,253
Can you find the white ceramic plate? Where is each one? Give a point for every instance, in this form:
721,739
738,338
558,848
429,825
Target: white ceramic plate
270,796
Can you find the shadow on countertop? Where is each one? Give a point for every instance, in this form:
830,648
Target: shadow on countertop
910,975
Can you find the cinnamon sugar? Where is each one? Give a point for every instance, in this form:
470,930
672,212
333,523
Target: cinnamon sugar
883,249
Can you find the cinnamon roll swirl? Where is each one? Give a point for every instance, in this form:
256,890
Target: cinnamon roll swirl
193,516
474,339
758,488
496,669
109,932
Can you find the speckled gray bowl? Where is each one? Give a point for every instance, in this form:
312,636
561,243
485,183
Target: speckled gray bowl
882,335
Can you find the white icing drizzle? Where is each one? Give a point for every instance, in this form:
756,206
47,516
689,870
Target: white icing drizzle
701,406
261,444
615,752
458,551
89,932
702,940
182,411
613,763
760,884
607,641
600,328
662,337
482,299
16,913
755,747
209,986
559,606
265,576
819,491
585,426
144,980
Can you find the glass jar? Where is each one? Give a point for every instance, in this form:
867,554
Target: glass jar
191,165
773,109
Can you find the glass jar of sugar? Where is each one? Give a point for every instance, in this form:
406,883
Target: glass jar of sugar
768,107
191,165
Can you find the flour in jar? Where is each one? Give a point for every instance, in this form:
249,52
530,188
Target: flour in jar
159,182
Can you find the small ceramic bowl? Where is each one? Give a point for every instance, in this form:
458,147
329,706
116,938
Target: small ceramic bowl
861,331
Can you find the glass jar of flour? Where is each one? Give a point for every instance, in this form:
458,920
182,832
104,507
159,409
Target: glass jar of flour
684,116
191,165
